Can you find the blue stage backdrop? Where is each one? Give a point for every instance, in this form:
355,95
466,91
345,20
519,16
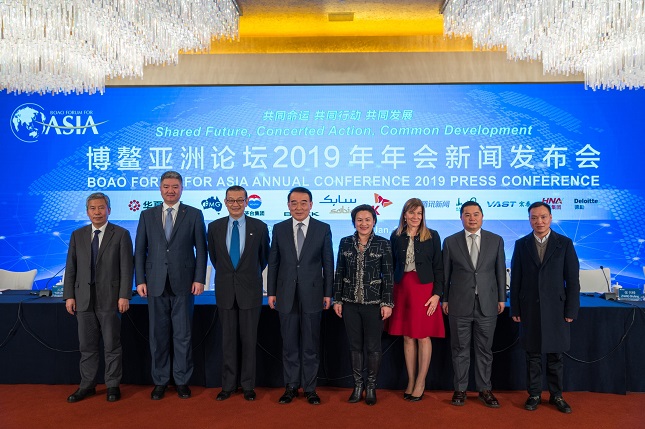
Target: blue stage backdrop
504,146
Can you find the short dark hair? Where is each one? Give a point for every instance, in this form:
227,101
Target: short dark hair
468,204
172,175
236,188
539,204
363,208
97,196
300,190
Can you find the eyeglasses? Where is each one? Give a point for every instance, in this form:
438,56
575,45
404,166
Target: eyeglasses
239,201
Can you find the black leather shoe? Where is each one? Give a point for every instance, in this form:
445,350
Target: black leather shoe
458,398
415,398
249,395
81,394
487,397
183,391
113,394
532,403
407,396
312,398
158,392
289,394
560,404
224,395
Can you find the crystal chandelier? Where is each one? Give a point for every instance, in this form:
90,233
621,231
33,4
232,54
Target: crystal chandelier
604,39
74,45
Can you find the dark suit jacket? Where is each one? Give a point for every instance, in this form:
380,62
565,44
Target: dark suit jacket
490,274
182,259
543,294
427,259
313,274
113,278
243,284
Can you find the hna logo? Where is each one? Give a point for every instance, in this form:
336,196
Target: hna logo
551,201
255,201
29,122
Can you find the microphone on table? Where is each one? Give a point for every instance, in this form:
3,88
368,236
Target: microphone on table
610,296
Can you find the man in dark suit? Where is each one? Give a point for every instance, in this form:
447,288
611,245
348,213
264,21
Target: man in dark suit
475,293
238,246
300,282
170,269
545,298
98,286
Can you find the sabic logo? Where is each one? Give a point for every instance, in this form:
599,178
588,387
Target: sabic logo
29,122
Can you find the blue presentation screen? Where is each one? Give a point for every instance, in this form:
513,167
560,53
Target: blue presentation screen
504,146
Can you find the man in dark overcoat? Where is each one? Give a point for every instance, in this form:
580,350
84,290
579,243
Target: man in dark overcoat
545,299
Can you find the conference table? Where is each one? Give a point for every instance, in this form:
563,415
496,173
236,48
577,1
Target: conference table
39,344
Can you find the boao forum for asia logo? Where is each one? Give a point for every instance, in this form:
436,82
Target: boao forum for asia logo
29,122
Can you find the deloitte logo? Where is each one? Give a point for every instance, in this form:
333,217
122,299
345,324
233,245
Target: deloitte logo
29,122
255,201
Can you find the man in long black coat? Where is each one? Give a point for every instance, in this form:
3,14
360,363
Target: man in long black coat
545,299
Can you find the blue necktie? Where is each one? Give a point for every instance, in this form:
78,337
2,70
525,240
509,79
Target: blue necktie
168,226
94,255
235,244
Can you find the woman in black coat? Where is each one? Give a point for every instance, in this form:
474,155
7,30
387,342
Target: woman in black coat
363,296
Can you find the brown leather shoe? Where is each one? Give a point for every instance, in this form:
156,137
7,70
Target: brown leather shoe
487,397
458,398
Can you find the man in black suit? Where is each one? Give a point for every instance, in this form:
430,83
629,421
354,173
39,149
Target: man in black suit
474,294
300,282
238,246
98,286
545,298
170,269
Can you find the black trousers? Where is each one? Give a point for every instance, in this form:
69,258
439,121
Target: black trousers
364,326
554,373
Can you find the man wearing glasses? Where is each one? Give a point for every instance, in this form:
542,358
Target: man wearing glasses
299,286
238,246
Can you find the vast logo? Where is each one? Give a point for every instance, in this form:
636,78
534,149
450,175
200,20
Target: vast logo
29,122
254,201
501,203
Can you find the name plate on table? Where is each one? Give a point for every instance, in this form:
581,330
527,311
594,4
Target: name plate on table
630,294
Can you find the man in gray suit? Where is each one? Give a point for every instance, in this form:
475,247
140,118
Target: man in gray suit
300,282
238,246
475,293
170,269
545,299
98,286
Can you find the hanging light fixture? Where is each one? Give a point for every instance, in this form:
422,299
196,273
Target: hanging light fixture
604,39
74,45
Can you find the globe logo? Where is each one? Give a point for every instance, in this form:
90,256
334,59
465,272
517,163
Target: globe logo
255,201
28,122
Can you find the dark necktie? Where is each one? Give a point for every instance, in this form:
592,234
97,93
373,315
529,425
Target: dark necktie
235,244
95,254
168,225
300,239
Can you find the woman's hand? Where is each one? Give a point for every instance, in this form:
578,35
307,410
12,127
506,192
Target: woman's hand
386,312
432,304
